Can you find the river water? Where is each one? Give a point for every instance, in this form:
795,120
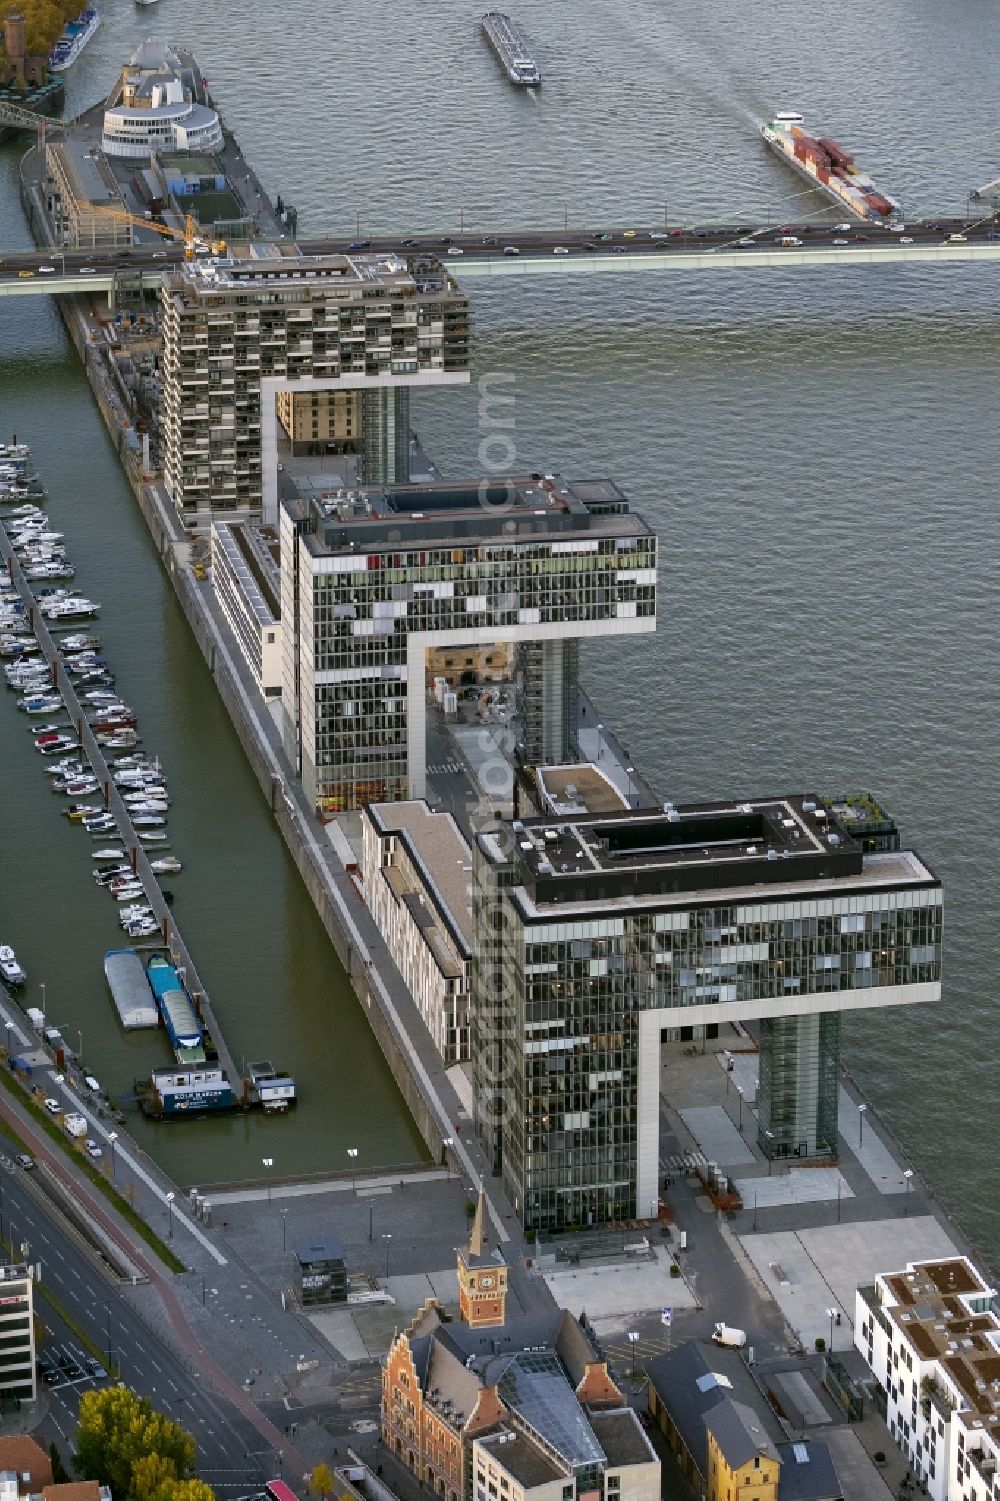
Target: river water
817,450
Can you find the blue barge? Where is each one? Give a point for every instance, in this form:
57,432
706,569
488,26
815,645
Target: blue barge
186,1033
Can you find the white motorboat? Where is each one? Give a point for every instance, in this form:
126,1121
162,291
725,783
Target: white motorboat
109,854
44,705
154,838
166,865
119,873
128,893
148,821
10,971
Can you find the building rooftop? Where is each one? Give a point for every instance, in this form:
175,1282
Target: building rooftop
325,1248
739,1433
526,1462
23,1456
694,1379
378,518
88,174
727,848
808,1473
284,261
620,1435
435,845
570,791
251,568
943,1309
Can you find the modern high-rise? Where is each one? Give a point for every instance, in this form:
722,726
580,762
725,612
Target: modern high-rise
596,932
372,580
268,319
17,1332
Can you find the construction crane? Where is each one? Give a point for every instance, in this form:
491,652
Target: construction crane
191,234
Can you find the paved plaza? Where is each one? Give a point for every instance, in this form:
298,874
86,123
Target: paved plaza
612,1294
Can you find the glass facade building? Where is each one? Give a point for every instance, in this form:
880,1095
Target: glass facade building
594,936
374,580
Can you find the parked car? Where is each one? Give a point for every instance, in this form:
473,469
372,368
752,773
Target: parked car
52,1106
23,1160
93,1150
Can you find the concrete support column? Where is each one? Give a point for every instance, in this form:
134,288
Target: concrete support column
548,675
799,1078
385,436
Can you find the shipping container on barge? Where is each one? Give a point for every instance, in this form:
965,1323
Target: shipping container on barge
512,51
828,168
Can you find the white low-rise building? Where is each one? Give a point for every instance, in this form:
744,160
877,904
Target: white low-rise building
417,874
247,585
159,104
933,1344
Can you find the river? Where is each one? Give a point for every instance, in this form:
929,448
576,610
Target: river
817,451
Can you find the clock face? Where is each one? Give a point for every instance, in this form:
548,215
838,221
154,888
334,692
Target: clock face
486,1282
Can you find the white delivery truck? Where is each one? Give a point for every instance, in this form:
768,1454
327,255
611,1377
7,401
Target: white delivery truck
76,1125
733,1339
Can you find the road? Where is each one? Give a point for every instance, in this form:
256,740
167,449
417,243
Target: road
97,1305
611,241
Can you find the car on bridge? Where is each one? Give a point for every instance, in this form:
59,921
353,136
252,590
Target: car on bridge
26,273
46,270
559,250
511,250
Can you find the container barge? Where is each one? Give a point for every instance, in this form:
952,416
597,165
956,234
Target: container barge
512,51
75,37
828,168
130,989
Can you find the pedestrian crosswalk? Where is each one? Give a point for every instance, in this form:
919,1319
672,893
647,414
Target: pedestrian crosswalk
445,768
683,1162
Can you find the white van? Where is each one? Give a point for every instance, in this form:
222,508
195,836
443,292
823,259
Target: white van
733,1339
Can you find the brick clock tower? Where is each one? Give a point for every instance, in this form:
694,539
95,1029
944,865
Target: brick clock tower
482,1277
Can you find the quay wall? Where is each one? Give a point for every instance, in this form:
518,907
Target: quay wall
168,537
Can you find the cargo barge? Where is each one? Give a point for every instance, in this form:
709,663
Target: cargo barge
828,168
511,50
130,989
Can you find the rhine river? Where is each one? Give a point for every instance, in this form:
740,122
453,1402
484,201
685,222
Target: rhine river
818,451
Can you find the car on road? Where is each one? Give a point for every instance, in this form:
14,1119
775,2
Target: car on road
23,1160
746,243
589,245
159,255
604,239
952,240
629,234
659,234
95,1369
861,237
906,239
360,245
93,1150
454,250
446,240
897,229
842,229
993,234
511,250
788,242
26,273
411,244
87,271
489,239
560,250
52,1106
841,241
620,249
46,270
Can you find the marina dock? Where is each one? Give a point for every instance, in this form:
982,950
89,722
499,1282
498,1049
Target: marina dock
116,806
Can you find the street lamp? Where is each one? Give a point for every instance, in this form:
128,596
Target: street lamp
908,1175
770,1150
633,1339
352,1152
739,1091
446,1142
41,986
629,770
284,1229
387,1237
268,1163
831,1314
79,1034
861,1124
112,1138
170,1215
371,1221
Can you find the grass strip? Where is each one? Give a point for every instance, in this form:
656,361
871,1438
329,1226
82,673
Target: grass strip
124,1208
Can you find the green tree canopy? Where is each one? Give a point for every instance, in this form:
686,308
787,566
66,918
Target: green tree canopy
125,1443
185,1490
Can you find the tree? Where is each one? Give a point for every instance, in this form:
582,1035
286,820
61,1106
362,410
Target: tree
322,1480
119,1434
60,1474
192,1489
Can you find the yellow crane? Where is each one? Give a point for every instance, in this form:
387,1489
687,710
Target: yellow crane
191,234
